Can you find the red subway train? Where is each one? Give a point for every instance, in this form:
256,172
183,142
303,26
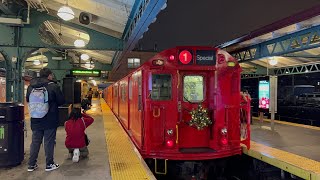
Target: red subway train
183,104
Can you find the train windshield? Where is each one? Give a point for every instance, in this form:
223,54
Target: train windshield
193,88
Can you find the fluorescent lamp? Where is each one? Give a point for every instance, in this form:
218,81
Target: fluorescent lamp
79,43
65,13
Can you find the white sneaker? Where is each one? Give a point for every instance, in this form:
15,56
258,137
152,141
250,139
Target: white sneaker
76,155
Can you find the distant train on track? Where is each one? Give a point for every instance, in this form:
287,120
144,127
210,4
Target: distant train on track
182,104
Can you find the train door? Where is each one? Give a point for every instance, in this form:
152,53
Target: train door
163,108
136,108
192,93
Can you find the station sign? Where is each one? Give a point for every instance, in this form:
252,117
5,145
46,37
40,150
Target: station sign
3,138
205,57
86,73
264,94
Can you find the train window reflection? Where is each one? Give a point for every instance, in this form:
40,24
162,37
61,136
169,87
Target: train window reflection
161,87
193,88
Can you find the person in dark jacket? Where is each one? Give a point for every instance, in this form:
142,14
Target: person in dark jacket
75,128
45,128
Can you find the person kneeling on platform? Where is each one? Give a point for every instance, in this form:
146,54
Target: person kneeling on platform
77,140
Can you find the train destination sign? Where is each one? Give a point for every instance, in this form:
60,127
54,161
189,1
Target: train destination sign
185,57
206,57
88,73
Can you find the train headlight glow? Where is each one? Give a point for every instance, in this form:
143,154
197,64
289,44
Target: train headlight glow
224,131
169,131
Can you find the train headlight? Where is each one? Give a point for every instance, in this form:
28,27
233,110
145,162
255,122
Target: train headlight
224,131
170,132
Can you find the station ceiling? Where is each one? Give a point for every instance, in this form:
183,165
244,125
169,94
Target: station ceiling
179,23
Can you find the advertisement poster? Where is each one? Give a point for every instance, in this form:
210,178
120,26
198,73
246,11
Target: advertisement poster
3,138
264,94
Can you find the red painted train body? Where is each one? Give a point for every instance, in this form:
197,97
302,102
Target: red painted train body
154,102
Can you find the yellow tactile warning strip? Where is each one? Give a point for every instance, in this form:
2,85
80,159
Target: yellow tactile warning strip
294,164
125,164
290,123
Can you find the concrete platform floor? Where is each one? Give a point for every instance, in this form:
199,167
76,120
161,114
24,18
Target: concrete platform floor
301,141
94,167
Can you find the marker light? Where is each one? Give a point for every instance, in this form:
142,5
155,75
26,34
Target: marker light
170,143
171,58
231,63
224,141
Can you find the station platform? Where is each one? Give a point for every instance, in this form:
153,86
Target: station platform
111,154
291,147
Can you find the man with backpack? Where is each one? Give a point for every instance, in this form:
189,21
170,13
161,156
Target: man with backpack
44,96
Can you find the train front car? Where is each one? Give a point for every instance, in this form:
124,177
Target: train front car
192,105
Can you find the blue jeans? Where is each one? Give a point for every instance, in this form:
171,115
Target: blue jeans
49,138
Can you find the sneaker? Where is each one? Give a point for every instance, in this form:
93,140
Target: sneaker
32,168
76,155
52,167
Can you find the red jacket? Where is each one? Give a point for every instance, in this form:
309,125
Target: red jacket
75,130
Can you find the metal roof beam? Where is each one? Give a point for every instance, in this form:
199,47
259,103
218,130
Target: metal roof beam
5,9
298,41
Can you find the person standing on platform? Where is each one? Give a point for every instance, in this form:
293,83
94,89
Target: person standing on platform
89,95
77,140
43,97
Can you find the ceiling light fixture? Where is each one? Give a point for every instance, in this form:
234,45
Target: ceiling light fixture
273,61
36,62
79,43
65,13
85,57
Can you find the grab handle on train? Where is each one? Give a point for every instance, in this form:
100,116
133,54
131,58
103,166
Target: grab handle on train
156,112
165,169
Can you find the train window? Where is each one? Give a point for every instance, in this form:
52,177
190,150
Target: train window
193,88
139,93
161,87
123,92
130,89
115,91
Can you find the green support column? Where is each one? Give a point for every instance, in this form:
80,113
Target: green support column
60,68
14,58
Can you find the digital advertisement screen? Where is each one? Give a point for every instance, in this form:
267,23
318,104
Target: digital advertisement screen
264,94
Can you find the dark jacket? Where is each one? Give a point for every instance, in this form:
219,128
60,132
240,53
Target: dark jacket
51,120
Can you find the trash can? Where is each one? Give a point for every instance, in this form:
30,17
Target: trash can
11,134
64,112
